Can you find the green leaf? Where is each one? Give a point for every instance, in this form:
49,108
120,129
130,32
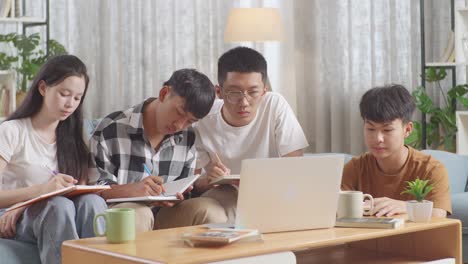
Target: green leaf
435,74
457,91
419,189
449,143
464,101
423,101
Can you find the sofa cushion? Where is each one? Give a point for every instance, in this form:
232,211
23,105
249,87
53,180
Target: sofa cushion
456,166
460,209
16,252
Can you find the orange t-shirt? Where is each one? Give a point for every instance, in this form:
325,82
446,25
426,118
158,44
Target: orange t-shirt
363,174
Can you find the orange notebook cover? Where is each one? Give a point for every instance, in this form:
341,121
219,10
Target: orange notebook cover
69,192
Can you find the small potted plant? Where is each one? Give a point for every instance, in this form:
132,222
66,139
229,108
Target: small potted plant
419,210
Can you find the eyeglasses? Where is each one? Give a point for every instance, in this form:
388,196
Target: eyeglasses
235,97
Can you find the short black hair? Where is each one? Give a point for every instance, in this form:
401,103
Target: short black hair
387,103
241,59
196,88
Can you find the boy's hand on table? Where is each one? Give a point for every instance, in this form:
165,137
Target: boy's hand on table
385,206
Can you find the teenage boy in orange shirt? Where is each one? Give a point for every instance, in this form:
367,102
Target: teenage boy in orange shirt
389,163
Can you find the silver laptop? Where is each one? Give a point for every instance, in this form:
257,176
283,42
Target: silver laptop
286,194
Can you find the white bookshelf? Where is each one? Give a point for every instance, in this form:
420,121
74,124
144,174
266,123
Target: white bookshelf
442,64
461,31
462,132
22,20
18,16
461,57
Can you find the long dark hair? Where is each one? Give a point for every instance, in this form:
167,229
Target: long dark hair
72,152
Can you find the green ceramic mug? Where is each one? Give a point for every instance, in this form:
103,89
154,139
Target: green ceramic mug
120,225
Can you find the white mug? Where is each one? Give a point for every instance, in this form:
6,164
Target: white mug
351,204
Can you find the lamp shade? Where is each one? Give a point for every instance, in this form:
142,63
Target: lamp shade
253,24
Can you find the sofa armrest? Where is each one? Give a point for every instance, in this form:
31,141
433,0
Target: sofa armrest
460,209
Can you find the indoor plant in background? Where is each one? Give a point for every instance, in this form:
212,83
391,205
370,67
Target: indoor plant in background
441,127
419,210
25,57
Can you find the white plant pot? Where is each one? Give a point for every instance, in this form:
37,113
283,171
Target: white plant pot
419,211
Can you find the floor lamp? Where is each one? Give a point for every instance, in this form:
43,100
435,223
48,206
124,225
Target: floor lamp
254,25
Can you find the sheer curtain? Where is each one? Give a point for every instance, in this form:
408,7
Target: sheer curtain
347,47
132,47
343,48
334,51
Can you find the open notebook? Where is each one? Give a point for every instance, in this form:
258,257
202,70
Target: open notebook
70,191
228,179
172,188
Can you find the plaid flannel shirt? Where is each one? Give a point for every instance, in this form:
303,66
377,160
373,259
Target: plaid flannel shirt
120,149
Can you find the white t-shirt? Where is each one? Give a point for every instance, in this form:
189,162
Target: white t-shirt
27,155
274,132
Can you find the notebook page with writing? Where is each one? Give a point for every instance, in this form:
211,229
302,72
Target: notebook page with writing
172,188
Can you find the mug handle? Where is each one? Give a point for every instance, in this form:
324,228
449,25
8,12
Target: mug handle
370,210
96,231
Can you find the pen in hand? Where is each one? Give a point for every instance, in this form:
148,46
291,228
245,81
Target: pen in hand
64,179
146,169
54,172
149,174
218,161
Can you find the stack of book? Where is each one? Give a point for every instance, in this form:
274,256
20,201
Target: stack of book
371,222
220,237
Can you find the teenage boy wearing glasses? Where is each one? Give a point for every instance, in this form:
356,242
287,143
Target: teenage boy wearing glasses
248,123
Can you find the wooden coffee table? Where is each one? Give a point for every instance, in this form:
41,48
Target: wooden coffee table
414,243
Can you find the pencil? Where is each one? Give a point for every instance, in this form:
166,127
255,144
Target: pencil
218,160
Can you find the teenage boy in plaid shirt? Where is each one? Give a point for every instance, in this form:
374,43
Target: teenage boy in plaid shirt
158,133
